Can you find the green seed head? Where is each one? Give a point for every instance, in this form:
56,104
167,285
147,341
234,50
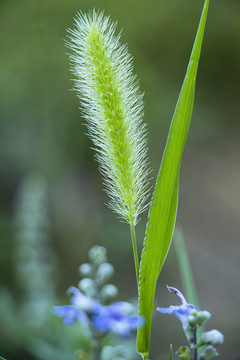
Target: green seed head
113,108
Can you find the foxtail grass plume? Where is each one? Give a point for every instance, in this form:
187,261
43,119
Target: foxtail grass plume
113,107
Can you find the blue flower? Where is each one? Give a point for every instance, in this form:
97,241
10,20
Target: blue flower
182,311
70,314
116,318
81,306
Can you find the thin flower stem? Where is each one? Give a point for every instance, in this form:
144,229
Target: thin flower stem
97,346
135,252
195,344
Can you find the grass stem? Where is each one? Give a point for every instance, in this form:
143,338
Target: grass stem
135,252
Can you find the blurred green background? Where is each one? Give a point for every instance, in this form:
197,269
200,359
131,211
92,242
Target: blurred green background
41,132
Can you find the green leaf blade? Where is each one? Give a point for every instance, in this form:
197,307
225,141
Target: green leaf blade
163,210
170,351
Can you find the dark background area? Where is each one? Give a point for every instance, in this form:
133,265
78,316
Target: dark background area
41,132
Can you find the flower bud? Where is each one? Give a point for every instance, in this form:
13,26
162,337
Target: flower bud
203,317
87,286
189,332
107,353
86,270
213,337
120,353
104,272
108,293
192,321
184,353
127,308
97,255
194,312
209,353
82,355
112,353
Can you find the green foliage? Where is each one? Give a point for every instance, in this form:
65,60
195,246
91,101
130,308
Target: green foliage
162,213
170,358
184,267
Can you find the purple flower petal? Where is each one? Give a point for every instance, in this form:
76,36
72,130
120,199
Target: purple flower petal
80,308
182,311
167,310
70,314
83,302
178,293
115,318
121,325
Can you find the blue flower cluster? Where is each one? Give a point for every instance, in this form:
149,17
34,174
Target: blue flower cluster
114,318
92,302
192,318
